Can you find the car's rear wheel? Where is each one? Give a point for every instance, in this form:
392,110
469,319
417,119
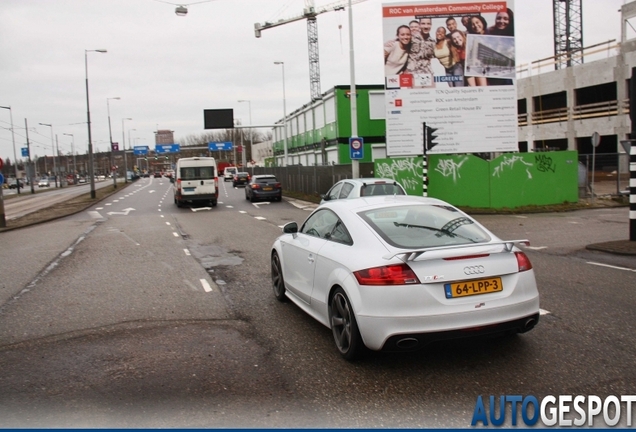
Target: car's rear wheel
278,283
344,326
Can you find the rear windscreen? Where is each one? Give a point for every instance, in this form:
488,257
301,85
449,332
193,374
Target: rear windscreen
197,173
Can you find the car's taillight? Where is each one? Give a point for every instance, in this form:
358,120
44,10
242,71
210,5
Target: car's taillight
256,186
179,184
277,185
523,261
399,274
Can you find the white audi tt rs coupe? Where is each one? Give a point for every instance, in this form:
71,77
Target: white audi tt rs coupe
398,272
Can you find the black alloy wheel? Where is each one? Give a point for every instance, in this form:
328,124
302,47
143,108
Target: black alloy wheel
278,283
344,326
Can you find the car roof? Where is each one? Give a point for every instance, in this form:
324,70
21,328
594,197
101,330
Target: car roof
370,180
367,203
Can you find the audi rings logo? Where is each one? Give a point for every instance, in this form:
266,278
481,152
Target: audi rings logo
473,270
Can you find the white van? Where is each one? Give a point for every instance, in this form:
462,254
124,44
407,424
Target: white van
196,180
228,173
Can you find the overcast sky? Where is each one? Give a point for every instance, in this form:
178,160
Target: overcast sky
167,69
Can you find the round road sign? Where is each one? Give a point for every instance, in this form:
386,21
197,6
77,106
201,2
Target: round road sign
356,144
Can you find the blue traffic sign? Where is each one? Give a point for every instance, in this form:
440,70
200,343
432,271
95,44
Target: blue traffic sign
1,179
214,146
356,148
140,150
25,152
167,148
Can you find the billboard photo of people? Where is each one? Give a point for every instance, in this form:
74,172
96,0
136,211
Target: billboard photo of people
450,45
450,66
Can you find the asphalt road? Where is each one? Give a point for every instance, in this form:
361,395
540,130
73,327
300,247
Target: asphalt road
138,314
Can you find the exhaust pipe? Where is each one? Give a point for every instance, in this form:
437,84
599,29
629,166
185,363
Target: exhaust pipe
529,324
407,343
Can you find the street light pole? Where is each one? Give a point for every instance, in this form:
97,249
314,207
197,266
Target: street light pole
112,152
355,164
123,138
53,147
249,106
284,113
15,160
73,151
88,117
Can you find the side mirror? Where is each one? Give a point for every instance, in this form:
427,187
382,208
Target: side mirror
171,179
290,228
324,197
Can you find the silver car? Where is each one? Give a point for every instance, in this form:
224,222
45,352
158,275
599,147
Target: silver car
355,188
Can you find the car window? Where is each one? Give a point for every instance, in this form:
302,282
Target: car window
340,234
346,190
320,224
196,173
334,191
424,226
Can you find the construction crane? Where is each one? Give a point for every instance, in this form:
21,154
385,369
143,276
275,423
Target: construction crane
309,13
568,33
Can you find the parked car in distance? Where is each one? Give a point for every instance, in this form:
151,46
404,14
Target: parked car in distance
44,182
81,180
263,187
355,188
13,183
228,173
395,273
158,174
240,178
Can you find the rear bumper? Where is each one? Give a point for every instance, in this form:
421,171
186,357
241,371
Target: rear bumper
411,333
197,197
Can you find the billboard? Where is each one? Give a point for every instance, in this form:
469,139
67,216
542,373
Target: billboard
450,66
218,118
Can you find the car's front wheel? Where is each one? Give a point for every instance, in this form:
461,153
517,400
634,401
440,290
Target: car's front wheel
344,326
278,283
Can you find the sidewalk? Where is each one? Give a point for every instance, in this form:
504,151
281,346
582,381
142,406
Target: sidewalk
605,190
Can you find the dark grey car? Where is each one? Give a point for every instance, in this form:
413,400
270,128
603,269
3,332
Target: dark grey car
263,187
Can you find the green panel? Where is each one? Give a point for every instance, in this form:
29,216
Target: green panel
406,170
366,126
461,180
542,178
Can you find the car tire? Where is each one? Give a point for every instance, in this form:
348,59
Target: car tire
178,203
252,198
246,197
344,326
213,203
278,282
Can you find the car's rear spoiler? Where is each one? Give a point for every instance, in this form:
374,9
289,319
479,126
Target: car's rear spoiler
411,255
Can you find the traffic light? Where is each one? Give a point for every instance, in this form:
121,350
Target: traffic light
429,137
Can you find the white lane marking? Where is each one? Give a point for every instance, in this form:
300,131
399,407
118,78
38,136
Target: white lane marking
536,247
162,216
611,266
259,204
108,204
206,285
242,211
175,234
260,218
95,215
125,212
543,312
521,217
168,223
115,201
99,208
187,252
200,208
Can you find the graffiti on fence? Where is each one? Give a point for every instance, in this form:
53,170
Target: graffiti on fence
407,171
450,167
545,163
511,162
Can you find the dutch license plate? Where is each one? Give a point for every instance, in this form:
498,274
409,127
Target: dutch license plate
188,189
268,188
473,287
